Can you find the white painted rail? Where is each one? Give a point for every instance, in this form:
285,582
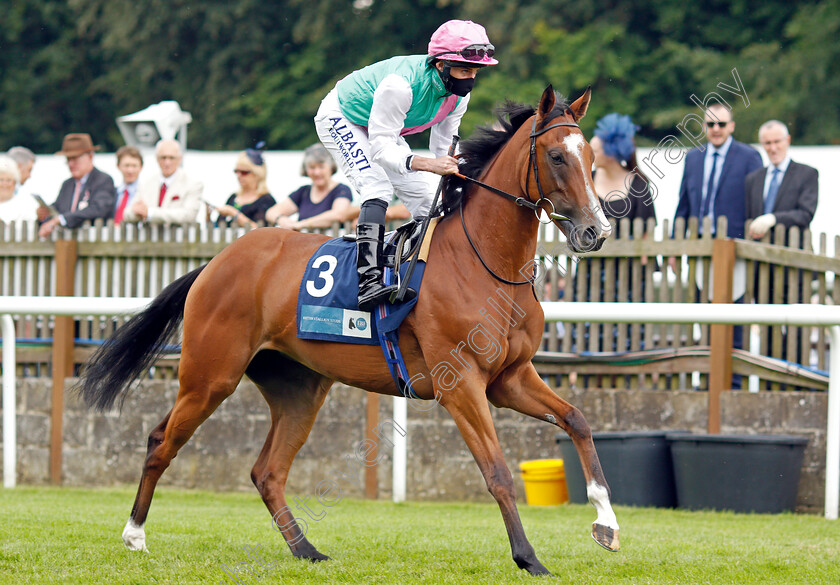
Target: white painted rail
680,313
734,314
62,306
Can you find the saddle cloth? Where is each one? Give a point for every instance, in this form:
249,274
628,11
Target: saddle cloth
327,307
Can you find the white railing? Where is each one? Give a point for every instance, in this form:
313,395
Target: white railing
689,314
674,313
60,306
734,314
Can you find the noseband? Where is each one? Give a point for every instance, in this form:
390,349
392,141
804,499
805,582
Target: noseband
536,207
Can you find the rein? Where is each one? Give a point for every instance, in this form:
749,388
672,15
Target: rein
536,207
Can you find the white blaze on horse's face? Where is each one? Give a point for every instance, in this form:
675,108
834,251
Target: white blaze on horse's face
574,146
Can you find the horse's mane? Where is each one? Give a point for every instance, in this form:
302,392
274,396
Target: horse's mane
487,140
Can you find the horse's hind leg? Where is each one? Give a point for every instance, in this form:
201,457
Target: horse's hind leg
294,394
523,390
197,398
133,535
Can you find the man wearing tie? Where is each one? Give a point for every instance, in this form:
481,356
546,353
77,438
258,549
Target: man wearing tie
785,192
713,185
86,195
129,163
713,180
172,196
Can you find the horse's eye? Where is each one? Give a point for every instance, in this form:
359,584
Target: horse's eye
556,157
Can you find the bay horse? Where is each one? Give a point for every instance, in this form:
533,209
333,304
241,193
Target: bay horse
238,314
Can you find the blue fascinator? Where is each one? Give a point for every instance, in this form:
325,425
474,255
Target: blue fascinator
255,154
616,132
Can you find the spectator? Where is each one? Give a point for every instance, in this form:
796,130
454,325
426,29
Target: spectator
713,185
14,207
785,192
318,205
25,160
129,163
250,204
713,180
615,160
624,192
87,195
169,197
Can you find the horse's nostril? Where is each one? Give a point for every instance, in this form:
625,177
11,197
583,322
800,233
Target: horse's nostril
584,239
589,238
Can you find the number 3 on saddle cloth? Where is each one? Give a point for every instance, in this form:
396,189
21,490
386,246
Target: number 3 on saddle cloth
328,310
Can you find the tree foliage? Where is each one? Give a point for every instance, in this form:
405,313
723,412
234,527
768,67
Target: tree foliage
250,70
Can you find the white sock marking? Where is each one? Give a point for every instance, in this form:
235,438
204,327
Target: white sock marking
134,536
598,497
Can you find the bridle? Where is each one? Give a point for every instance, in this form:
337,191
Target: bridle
535,206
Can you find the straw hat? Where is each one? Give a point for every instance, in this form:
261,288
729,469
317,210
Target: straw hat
76,145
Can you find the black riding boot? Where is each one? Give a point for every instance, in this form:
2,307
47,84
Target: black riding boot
369,243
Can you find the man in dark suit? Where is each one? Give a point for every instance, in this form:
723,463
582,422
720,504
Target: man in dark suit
713,185
87,195
785,192
713,180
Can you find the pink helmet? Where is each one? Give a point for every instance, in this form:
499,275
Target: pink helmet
463,41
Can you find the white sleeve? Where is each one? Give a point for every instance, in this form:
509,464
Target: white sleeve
441,137
391,102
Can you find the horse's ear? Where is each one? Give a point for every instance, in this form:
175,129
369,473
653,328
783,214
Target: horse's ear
580,105
546,103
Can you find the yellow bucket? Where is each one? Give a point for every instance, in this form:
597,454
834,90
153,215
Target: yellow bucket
545,482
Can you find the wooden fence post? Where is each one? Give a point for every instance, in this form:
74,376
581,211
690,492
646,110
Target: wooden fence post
372,421
66,253
720,360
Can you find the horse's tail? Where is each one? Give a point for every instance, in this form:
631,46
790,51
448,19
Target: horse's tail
135,346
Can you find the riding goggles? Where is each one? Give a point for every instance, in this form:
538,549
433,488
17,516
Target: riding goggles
473,52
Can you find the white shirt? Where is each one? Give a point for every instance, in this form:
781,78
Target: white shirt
768,177
707,169
21,207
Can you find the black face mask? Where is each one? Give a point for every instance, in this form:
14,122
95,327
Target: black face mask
461,87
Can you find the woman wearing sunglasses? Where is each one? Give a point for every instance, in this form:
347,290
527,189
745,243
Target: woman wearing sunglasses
362,122
248,205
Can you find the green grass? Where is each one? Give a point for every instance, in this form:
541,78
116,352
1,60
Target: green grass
54,535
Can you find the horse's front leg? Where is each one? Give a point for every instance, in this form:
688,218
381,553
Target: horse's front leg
523,390
471,414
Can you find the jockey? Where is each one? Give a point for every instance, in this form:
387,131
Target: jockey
362,122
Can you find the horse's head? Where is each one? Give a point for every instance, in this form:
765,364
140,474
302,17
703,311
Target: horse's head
561,171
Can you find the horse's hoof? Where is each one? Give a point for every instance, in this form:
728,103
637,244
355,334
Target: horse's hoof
533,566
310,553
318,557
134,537
539,571
605,536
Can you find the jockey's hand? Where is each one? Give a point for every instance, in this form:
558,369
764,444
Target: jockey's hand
443,165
